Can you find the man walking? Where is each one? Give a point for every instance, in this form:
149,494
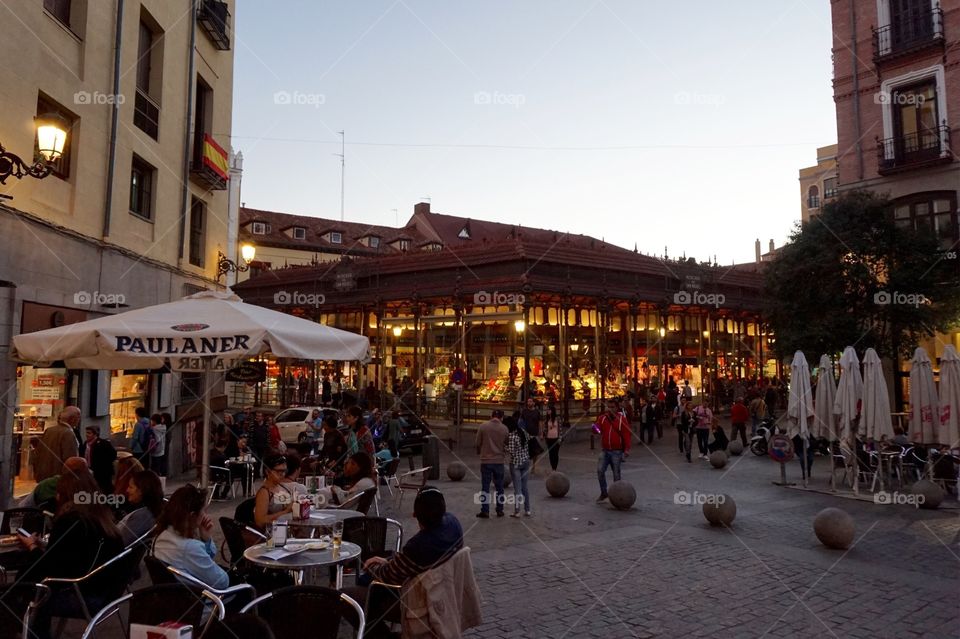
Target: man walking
100,455
491,444
57,444
738,419
615,445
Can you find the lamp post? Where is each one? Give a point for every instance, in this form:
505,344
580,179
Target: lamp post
226,265
51,139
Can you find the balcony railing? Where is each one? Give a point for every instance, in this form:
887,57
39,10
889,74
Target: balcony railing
210,165
146,114
214,18
908,34
930,146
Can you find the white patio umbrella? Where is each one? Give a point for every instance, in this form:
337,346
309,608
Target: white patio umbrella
949,397
876,399
208,332
800,406
849,392
924,404
826,393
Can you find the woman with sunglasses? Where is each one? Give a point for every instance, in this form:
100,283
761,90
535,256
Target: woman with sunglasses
273,499
185,539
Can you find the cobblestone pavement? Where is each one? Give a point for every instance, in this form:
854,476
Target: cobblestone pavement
578,569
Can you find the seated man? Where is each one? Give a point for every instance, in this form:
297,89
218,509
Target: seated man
439,538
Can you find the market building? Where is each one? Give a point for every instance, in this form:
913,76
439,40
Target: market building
513,307
134,210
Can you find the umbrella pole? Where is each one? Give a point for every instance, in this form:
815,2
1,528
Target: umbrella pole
205,446
803,460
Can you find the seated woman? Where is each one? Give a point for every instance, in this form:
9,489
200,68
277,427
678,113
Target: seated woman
387,453
127,467
273,499
145,494
185,540
358,473
720,440
83,537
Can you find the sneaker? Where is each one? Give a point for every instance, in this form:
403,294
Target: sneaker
482,515
602,497
499,513
515,514
528,514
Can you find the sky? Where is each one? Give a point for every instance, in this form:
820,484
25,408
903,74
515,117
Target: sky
660,124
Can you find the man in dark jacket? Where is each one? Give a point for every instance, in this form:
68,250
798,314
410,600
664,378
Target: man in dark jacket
100,455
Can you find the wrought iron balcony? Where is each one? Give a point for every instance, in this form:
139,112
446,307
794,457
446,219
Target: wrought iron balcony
214,18
908,34
930,146
210,166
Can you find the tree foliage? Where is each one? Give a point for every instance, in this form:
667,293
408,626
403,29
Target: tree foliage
851,276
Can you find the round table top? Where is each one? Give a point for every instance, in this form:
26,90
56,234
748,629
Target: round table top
322,518
303,559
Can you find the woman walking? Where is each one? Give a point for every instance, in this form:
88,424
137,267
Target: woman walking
551,434
517,448
704,420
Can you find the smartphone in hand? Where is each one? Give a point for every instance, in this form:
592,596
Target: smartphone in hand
21,531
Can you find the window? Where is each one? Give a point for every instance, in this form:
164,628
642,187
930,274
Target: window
259,228
59,9
813,197
142,176
373,241
911,22
830,187
336,237
257,268
197,242
61,167
929,213
403,245
915,125
915,117
433,246
146,112
299,233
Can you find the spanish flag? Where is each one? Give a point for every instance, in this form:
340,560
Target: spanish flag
215,157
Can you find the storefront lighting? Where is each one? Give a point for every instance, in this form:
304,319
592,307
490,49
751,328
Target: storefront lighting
51,140
574,347
519,326
397,331
706,334
663,331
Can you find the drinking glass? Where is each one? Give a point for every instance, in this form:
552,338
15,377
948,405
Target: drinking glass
337,535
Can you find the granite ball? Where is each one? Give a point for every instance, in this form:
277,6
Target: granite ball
932,494
834,528
622,495
456,471
720,510
558,484
735,447
718,459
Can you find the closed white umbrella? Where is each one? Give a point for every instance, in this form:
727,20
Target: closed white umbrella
800,406
849,392
824,419
876,399
207,332
924,404
949,397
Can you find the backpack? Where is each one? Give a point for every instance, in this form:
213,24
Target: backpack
533,444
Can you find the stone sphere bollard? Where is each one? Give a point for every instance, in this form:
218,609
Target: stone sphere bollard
721,510
718,459
931,492
735,447
558,484
834,528
456,470
622,495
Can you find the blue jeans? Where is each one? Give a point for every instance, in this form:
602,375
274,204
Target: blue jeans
490,472
521,495
608,458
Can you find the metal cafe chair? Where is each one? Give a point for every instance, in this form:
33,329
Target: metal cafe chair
288,611
18,606
410,481
154,605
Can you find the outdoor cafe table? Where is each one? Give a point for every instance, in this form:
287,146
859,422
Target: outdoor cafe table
305,560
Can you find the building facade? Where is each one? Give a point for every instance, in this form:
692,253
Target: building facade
818,183
136,210
897,95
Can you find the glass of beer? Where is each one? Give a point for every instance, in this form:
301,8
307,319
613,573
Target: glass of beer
337,536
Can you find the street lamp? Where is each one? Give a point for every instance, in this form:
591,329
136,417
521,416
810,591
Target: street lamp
397,331
519,326
51,138
225,265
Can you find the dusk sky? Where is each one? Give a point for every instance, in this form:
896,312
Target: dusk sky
639,122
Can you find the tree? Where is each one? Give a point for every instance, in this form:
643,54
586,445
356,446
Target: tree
852,277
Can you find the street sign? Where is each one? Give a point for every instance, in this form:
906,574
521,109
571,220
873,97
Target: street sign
781,448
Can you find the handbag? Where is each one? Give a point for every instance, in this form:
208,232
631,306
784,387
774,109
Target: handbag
534,448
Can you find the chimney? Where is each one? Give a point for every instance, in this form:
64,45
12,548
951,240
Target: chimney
771,246
421,207
756,248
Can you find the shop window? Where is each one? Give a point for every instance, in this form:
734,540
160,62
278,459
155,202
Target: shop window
584,317
571,317
127,393
553,316
539,316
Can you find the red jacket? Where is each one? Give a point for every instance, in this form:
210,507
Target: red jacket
614,432
739,413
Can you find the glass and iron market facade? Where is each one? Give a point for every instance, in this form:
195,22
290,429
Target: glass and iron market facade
573,321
